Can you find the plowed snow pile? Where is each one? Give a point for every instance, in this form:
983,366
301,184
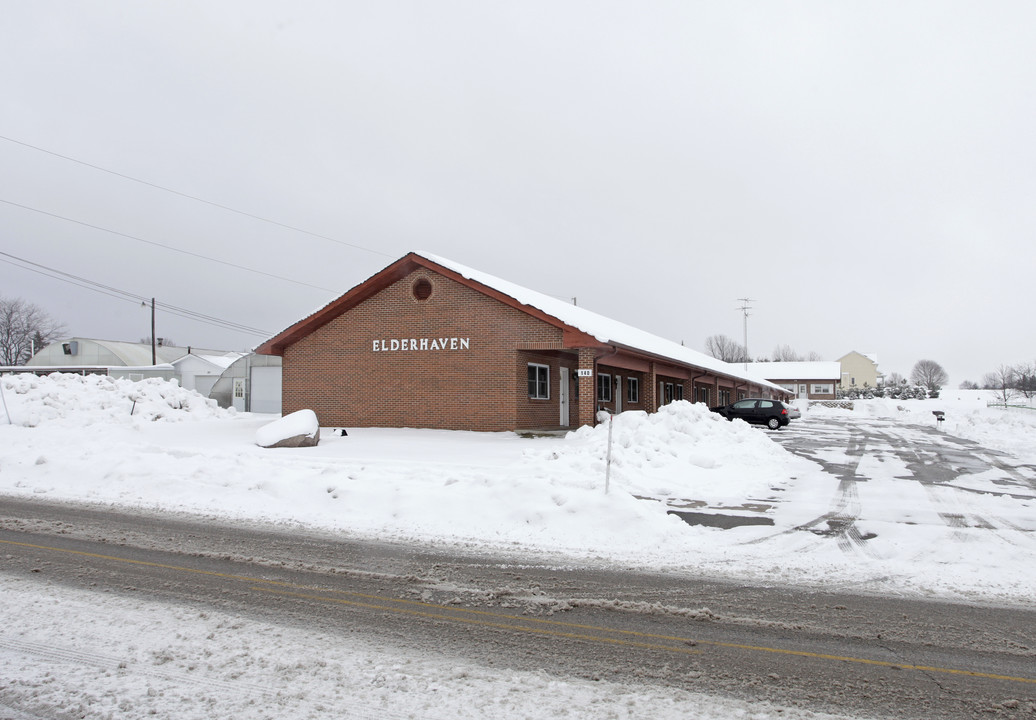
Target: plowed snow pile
88,399
683,452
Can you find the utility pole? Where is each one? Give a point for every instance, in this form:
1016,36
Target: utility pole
745,307
154,352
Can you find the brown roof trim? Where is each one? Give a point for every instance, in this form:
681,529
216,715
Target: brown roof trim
276,345
680,364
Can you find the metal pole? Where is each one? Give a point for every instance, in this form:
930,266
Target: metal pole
745,307
6,412
154,352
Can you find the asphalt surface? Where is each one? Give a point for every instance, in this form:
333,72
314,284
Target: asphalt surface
852,654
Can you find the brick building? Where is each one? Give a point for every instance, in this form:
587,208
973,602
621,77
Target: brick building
815,380
429,343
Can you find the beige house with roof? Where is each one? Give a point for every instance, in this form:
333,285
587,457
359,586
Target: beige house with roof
860,370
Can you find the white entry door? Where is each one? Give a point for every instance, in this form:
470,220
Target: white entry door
563,396
802,392
618,394
238,400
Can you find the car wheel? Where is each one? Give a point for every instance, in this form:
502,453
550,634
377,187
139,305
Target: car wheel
773,423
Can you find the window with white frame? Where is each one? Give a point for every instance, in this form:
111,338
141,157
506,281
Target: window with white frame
703,395
539,382
824,389
604,387
633,390
724,397
679,391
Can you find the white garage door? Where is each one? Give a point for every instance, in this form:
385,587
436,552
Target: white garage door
266,390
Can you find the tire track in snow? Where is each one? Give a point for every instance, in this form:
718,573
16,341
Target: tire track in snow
841,520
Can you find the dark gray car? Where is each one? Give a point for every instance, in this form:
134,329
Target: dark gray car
760,411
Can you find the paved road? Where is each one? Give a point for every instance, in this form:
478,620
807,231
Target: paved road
873,656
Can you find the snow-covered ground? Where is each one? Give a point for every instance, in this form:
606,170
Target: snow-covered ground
154,445
967,416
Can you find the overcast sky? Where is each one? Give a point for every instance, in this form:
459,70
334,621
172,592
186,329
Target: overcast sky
865,172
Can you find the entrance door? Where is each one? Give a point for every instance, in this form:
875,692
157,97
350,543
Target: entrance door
802,392
563,392
238,400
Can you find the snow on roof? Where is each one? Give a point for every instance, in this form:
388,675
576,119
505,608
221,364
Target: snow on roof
222,361
139,354
136,354
604,329
817,370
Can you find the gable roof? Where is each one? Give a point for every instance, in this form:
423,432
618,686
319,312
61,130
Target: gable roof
872,357
816,370
582,326
221,362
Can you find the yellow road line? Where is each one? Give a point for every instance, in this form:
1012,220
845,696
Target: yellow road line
145,563
516,625
443,613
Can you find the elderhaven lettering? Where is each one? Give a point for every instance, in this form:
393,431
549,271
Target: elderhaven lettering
419,344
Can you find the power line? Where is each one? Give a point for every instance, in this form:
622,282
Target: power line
165,247
194,197
118,294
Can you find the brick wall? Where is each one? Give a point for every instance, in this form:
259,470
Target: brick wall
337,372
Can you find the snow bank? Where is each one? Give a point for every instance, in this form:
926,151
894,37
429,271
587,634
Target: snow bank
682,451
80,400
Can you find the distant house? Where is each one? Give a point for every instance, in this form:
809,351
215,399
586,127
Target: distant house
860,370
808,380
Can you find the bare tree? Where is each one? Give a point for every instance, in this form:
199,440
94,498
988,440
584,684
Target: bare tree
725,349
929,375
1025,379
894,379
814,356
1000,381
23,327
785,353
968,385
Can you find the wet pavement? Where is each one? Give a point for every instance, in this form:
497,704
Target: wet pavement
855,451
